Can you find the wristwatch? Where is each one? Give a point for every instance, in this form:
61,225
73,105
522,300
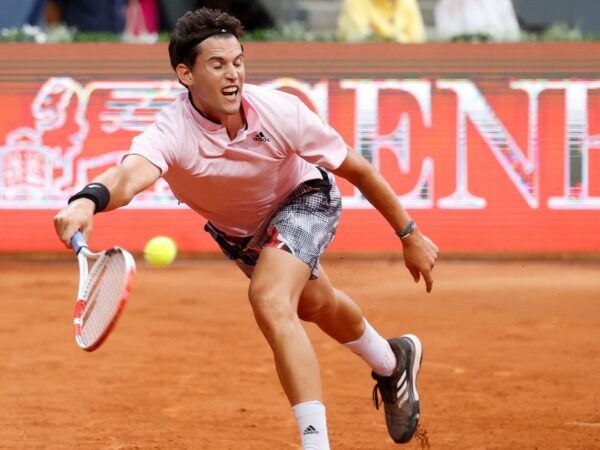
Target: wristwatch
407,231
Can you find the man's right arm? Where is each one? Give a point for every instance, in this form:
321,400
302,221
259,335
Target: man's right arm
132,176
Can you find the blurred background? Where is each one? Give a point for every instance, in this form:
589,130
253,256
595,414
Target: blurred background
144,20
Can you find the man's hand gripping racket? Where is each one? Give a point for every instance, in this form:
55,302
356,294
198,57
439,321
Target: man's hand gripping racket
103,291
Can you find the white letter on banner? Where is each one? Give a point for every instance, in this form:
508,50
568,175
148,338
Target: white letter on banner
521,170
577,147
318,94
369,142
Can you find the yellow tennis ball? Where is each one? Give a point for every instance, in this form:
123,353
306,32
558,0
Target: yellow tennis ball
160,251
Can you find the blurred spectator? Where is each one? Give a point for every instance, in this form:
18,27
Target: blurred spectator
397,20
252,14
88,15
22,12
494,18
141,22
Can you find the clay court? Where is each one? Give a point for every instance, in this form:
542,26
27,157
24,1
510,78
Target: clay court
511,360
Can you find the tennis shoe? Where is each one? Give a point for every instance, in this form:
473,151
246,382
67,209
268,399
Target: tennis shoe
399,391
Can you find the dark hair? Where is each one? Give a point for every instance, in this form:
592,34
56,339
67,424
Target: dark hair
195,26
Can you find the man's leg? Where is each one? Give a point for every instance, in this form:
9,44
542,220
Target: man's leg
275,288
342,319
395,363
331,309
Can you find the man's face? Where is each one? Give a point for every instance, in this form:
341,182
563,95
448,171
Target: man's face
217,78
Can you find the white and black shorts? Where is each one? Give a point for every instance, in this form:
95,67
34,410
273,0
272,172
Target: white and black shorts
303,225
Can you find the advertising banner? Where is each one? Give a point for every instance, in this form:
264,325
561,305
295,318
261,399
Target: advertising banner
493,148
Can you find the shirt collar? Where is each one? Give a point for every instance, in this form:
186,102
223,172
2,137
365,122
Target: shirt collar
208,125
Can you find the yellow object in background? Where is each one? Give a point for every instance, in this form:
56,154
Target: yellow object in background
396,20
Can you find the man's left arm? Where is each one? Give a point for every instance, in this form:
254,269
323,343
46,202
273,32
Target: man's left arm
420,253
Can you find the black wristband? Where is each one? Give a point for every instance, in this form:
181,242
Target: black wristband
96,192
407,231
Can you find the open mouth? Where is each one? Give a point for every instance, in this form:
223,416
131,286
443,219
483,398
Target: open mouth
230,91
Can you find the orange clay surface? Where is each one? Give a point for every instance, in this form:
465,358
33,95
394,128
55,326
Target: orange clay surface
511,360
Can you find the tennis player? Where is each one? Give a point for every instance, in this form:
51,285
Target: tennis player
257,164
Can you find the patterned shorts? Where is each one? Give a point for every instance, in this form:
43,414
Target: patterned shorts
304,225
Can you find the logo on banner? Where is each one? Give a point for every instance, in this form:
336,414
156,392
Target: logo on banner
41,166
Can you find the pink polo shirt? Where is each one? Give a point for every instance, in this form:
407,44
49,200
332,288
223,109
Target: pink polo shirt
236,183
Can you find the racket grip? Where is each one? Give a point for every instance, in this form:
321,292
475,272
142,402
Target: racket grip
78,242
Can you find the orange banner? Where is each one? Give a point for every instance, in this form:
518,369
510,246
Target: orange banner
492,148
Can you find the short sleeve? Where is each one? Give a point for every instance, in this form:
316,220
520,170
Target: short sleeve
318,143
157,143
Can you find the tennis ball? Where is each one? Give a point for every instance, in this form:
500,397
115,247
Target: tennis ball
160,251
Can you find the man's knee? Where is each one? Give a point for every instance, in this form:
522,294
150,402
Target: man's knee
272,309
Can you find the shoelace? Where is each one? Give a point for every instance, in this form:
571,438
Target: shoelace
376,401
387,392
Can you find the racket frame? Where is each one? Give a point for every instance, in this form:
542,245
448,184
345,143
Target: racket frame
84,254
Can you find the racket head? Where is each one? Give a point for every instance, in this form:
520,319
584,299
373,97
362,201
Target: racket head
102,295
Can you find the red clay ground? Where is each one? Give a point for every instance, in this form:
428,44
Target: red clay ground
512,360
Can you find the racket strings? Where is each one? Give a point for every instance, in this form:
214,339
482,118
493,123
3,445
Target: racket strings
106,288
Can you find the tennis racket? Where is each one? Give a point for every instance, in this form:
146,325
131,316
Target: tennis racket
103,291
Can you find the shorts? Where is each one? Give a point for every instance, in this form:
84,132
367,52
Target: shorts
303,225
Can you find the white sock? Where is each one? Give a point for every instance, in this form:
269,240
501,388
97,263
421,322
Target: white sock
312,423
374,350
